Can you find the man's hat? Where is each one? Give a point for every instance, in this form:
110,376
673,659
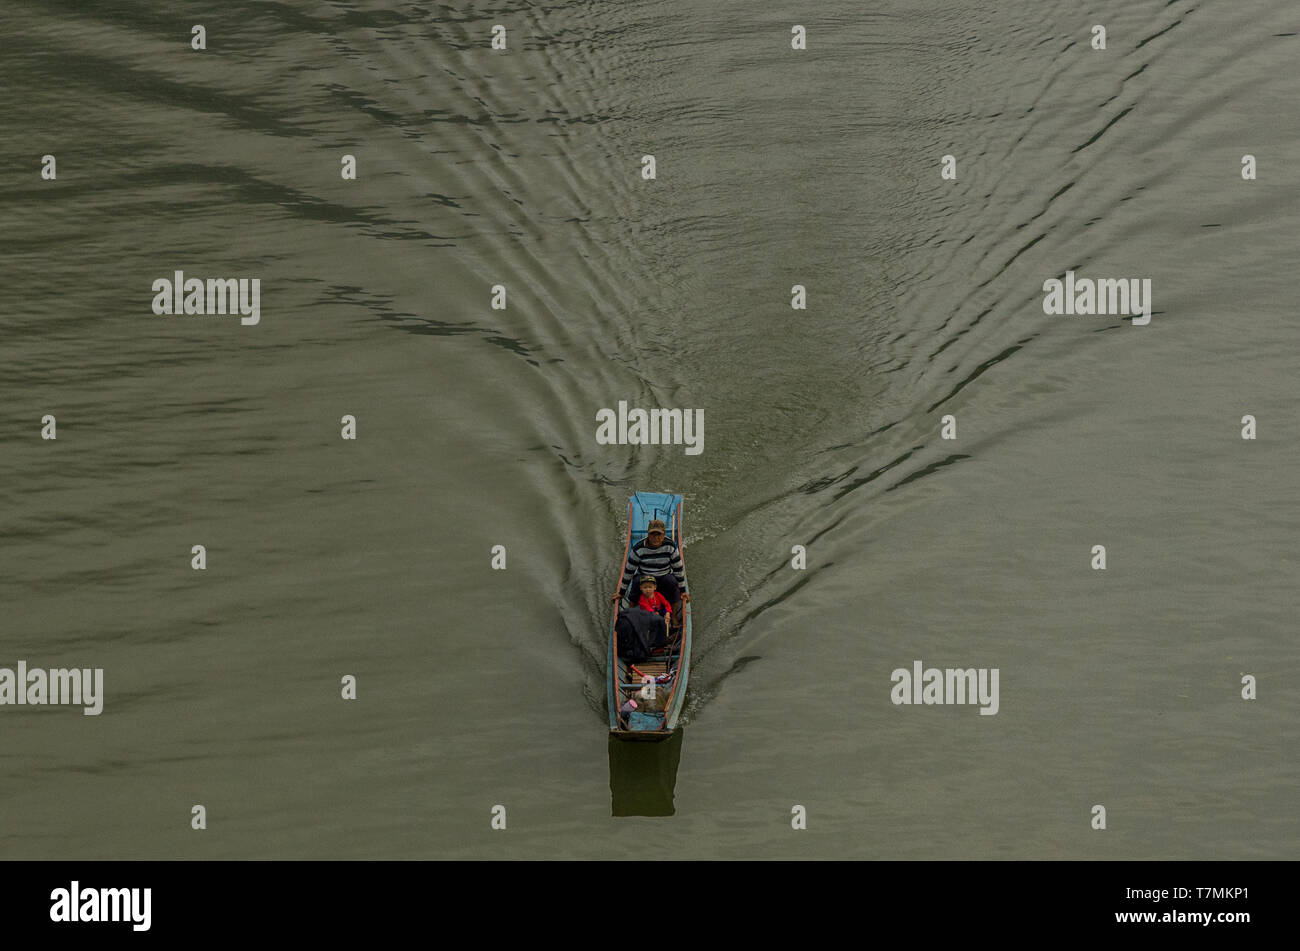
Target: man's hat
656,523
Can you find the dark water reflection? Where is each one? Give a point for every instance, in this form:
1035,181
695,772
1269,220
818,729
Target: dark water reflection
643,775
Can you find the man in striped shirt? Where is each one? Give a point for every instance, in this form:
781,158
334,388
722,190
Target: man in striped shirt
657,556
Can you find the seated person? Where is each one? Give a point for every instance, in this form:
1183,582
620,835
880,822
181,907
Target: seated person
642,629
652,600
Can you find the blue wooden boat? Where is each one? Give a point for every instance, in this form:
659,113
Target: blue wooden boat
659,708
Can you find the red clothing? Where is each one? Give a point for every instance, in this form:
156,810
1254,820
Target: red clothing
655,603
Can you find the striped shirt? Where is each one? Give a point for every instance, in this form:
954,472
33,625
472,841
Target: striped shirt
644,560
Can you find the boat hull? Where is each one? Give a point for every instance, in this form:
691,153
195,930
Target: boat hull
657,714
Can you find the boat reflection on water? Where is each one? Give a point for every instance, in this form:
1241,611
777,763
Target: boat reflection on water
643,775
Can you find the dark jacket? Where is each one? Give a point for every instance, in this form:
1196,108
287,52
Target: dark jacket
639,632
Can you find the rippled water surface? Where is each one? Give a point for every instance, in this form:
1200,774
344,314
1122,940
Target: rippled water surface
476,426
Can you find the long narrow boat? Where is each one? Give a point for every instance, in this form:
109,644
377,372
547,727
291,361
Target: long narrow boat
658,706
